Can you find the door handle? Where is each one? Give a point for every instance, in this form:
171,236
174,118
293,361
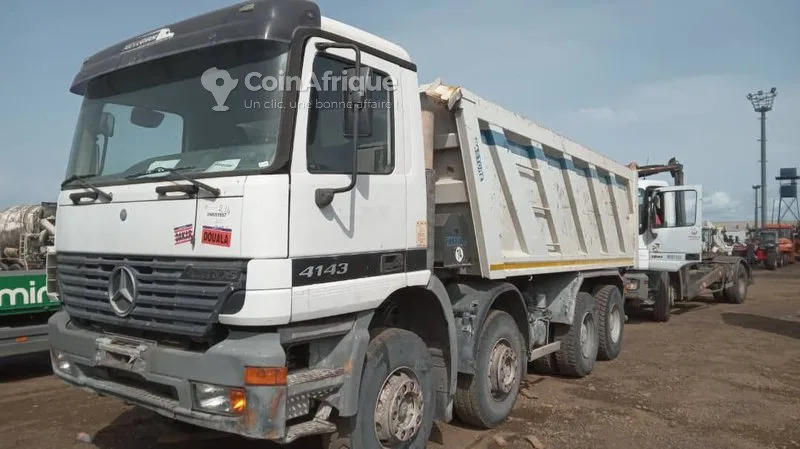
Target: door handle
188,189
391,263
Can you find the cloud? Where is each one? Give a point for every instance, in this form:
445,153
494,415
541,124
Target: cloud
708,124
720,206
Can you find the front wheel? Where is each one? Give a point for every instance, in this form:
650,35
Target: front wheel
664,299
486,399
396,400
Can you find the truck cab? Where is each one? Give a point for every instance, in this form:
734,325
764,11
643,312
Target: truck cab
670,225
671,248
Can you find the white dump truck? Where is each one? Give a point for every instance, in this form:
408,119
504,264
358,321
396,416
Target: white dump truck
26,235
355,260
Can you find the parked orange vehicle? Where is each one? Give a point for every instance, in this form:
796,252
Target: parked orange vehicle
787,241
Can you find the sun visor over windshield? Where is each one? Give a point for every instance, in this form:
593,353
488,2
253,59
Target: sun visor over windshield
258,19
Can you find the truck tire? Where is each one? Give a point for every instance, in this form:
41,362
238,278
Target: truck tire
396,398
737,293
580,340
486,399
771,261
663,300
611,325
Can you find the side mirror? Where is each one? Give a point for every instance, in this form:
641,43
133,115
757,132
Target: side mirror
106,126
356,95
146,118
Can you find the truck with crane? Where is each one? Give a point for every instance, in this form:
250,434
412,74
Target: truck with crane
26,235
671,249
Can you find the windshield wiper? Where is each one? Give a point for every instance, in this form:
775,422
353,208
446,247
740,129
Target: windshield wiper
176,171
81,179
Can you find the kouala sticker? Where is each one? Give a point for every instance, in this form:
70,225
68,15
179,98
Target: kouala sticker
216,236
183,234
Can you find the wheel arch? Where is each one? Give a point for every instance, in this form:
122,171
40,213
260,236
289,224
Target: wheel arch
475,301
423,310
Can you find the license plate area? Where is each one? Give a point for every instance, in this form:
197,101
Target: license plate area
123,353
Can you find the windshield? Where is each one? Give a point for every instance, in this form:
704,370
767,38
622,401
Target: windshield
162,114
768,237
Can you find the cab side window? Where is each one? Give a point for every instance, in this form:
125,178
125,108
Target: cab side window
329,147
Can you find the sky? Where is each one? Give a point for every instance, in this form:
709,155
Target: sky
636,80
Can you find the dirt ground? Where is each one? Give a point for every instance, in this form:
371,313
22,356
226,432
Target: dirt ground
715,376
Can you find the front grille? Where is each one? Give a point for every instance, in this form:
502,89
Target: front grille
176,297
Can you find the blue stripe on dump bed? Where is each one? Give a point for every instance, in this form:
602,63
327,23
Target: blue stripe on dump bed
494,138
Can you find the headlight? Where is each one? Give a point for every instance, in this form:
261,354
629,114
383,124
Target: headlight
221,400
60,362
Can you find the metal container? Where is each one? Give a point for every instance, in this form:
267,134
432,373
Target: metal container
788,172
19,220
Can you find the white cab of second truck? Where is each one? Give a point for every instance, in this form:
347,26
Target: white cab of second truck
358,266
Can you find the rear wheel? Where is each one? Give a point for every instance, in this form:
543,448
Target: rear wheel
737,293
544,365
396,398
611,323
580,340
487,398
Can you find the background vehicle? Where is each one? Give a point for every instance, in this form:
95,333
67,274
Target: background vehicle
765,248
26,234
785,242
429,245
671,248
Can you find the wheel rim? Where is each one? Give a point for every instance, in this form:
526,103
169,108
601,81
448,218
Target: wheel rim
398,411
615,323
588,336
503,368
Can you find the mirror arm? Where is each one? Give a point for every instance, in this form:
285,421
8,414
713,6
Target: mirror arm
324,196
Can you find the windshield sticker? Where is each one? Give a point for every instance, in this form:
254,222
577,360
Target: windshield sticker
226,165
216,236
263,164
160,165
183,234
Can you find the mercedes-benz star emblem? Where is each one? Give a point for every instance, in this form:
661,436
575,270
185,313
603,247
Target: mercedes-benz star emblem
122,291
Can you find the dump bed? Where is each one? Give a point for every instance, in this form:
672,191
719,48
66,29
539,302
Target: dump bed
513,198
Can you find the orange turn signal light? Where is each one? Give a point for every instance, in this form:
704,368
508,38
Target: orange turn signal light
238,401
269,377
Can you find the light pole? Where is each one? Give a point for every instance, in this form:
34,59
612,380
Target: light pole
762,103
755,210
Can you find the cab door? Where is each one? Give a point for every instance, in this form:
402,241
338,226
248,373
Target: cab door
350,254
675,227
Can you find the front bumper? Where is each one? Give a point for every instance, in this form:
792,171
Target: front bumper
636,287
23,340
161,378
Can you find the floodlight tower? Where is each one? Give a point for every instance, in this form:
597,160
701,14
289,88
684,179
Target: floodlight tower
762,103
755,209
